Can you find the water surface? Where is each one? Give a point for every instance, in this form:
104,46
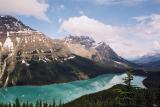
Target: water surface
64,91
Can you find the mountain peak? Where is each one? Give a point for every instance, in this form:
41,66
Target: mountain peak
6,16
102,43
10,23
148,58
106,51
86,41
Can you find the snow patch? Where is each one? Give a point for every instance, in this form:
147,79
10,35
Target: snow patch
18,39
71,57
24,62
8,43
46,59
7,34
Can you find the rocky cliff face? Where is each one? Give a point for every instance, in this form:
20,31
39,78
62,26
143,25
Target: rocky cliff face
21,46
82,46
85,41
9,23
28,57
100,52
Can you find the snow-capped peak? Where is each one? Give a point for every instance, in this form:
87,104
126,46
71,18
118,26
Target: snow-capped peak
86,41
9,23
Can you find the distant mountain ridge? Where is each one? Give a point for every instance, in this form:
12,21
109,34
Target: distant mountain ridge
148,58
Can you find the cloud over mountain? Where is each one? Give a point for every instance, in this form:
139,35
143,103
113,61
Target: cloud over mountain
126,40
34,8
87,26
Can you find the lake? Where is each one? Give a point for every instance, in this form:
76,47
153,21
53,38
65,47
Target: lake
64,91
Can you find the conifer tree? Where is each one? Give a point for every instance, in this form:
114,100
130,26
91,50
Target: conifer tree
17,103
40,103
9,105
37,103
54,104
23,105
158,97
128,79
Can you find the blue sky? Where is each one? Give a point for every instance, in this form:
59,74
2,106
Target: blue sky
130,27
120,14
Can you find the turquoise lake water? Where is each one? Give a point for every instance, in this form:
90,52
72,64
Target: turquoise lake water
64,91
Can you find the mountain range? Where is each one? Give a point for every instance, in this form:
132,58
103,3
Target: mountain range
29,57
149,60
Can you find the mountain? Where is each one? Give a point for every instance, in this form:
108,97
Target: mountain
85,41
82,46
28,57
9,23
25,51
148,58
153,64
100,52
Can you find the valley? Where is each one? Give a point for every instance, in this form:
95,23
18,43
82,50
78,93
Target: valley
28,57
35,67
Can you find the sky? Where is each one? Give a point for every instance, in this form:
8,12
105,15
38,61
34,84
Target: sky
130,27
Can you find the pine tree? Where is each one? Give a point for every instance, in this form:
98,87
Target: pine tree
40,103
17,103
37,103
14,105
54,104
128,79
27,104
158,97
125,97
9,105
24,105
45,104
30,105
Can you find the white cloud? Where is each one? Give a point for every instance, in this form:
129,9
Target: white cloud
87,26
113,35
128,41
156,45
148,26
35,8
143,32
